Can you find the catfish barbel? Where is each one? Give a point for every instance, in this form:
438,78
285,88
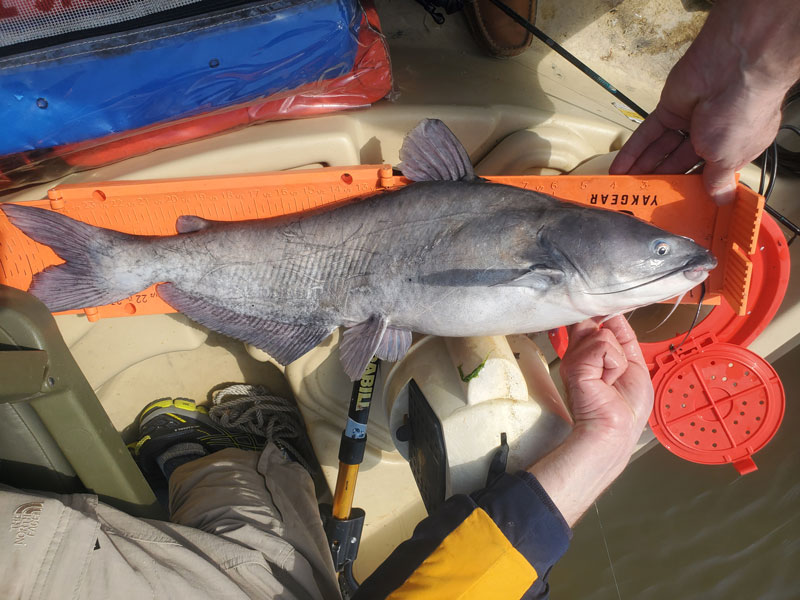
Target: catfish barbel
448,255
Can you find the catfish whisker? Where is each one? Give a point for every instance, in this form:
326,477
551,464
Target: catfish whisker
664,320
659,278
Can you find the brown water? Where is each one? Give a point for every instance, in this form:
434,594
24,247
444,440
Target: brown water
674,529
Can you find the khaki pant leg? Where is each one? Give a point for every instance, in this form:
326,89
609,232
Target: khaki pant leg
264,502
45,543
253,531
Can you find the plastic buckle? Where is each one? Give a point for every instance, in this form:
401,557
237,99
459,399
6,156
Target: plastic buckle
344,535
689,348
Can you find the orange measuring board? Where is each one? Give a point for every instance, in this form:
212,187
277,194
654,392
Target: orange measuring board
676,203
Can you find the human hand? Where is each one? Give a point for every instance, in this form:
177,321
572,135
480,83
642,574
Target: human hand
607,381
611,397
726,93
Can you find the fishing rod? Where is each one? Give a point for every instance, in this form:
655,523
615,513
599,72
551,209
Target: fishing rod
571,58
343,523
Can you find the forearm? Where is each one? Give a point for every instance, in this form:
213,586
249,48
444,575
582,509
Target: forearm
767,37
579,470
756,43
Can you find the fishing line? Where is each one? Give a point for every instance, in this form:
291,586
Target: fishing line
764,166
608,554
694,321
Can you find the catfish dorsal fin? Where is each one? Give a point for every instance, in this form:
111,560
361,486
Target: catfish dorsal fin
431,152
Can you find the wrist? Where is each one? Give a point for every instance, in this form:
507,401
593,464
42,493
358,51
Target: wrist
613,430
611,448
581,468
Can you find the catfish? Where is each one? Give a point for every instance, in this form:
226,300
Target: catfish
449,254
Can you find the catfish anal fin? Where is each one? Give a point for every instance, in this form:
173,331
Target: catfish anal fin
282,341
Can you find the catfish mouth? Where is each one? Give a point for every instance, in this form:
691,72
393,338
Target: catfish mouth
697,269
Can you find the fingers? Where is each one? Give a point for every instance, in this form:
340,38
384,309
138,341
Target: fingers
626,337
614,361
681,160
655,154
719,182
668,151
635,384
593,354
577,332
648,132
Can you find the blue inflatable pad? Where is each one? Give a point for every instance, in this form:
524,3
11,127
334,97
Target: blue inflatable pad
91,88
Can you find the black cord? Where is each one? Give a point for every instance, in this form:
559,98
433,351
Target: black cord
773,175
770,162
796,130
788,127
764,166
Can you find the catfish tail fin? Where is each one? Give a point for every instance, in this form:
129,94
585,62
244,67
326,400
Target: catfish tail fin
85,279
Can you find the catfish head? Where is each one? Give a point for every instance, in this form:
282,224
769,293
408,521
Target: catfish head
613,262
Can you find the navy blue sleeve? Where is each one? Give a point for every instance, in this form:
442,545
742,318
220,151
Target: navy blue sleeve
520,508
532,523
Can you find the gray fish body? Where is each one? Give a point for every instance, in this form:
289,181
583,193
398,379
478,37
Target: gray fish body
431,257
449,255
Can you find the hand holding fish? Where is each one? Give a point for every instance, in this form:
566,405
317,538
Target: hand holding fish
726,93
610,392
611,397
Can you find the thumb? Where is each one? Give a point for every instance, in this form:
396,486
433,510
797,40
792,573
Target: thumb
720,182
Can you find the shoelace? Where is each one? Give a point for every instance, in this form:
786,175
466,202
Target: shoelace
251,408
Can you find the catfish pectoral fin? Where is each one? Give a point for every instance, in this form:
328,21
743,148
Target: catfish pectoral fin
537,277
285,342
394,345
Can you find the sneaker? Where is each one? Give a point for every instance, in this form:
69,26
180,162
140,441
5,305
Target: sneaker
180,423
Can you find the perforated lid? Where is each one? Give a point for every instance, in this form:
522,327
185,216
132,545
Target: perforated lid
716,403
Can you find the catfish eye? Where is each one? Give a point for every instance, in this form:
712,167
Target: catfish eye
660,247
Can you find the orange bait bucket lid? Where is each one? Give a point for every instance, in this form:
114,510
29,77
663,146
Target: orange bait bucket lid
716,403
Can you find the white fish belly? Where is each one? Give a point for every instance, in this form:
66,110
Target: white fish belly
493,311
